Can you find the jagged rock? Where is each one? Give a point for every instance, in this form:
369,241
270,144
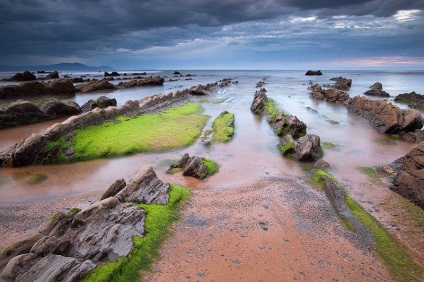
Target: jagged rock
286,145
258,104
331,95
53,75
56,108
409,179
153,81
260,84
22,76
198,90
145,188
34,88
342,83
377,86
413,136
307,148
191,166
102,103
413,100
283,125
114,73
19,113
311,72
386,117
95,86
114,189
70,246
77,80
377,93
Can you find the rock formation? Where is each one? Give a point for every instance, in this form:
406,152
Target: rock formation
95,86
71,245
22,76
102,103
311,72
23,112
37,88
191,166
331,95
413,100
153,81
386,117
259,101
342,83
306,149
377,90
409,175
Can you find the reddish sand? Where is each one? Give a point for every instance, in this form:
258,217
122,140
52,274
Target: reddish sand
269,229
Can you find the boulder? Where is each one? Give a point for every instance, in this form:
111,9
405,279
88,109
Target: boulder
114,189
386,117
114,73
259,101
177,73
53,75
311,72
102,103
19,113
331,95
191,166
22,76
198,90
377,93
283,125
307,148
413,100
152,81
54,108
342,83
95,86
36,88
377,86
409,178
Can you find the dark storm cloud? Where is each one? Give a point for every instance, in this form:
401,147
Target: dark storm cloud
81,28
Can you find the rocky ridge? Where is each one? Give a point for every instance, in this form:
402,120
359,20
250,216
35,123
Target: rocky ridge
71,245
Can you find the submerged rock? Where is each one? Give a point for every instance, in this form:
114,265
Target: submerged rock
71,245
311,72
386,117
409,178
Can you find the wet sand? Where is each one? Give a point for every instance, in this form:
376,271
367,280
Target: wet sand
270,228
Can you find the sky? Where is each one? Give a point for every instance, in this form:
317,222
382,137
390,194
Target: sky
214,34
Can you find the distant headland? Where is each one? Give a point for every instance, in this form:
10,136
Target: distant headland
57,67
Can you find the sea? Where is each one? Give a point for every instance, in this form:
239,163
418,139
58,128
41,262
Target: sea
253,152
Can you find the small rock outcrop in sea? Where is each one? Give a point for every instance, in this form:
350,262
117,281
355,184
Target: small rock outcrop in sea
95,86
306,149
114,73
153,81
287,124
52,75
260,84
342,83
71,245
192,166
330,95
259,101
177,73
311,72
23,112
101,102
37,88
413,100
386,117
377,90
22,76
409,178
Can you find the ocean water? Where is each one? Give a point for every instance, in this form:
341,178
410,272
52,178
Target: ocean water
252,151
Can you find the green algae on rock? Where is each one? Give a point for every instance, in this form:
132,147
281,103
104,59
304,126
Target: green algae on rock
223,127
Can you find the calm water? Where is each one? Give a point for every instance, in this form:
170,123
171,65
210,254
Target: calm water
252,151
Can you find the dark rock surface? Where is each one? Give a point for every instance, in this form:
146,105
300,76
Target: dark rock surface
36,88
260,84
22,76
409,178
114,189
258,104
114,73
331,95
54,108
71,245
284,124
386,117
311,72
342,83
20,112
102,103
53,75
191,166
413,100
95,86
307,148
377,90
414,136
150,81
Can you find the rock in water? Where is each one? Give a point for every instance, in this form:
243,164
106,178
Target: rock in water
22,76
342,83
409,179
413,100
377,90
386,117
56,108
20,112
95,86
307,148
258,104
311,72
102,103
191,166
53,75
34,88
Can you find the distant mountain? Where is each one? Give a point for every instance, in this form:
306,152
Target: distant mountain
58,67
